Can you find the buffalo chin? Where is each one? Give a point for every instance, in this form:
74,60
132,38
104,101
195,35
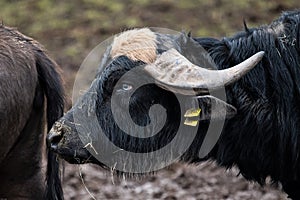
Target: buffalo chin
79,156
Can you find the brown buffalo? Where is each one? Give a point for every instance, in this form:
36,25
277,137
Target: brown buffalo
31,98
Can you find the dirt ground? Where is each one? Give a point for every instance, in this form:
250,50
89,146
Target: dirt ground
178,182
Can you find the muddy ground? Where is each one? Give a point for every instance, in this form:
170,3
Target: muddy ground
177,182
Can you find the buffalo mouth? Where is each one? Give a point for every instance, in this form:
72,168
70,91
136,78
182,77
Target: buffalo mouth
80,156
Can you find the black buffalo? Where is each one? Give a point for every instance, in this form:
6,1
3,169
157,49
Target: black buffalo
31,98
261,131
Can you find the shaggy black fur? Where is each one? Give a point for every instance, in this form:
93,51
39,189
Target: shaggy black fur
263,138
140,103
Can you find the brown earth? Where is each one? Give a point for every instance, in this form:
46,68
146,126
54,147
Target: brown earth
177,182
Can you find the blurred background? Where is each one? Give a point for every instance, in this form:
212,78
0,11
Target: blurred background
69,30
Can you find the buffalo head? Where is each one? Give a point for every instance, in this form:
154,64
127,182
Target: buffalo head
150,87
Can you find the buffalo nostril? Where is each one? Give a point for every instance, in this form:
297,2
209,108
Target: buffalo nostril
55,135
53,138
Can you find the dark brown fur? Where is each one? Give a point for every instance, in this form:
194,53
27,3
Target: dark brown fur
31,98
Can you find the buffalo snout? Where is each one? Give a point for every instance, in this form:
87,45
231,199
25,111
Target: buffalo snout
64,140
56,134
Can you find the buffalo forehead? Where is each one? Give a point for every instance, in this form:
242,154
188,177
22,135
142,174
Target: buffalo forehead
136,44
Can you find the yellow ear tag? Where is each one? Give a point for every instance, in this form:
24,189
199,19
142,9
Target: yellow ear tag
189,122
192,112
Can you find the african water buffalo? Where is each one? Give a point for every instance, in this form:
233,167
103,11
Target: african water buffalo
31,99
261,131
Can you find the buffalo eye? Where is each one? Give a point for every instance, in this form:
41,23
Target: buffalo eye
126,87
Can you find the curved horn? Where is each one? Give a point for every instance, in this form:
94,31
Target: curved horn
174,71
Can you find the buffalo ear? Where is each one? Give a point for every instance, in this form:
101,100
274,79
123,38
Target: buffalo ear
213,108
